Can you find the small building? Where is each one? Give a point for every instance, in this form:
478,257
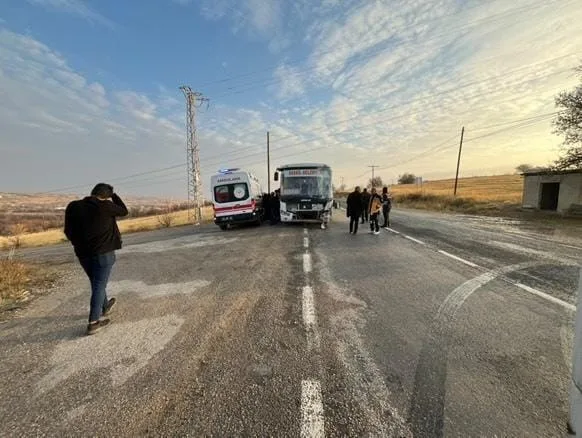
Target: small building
553,190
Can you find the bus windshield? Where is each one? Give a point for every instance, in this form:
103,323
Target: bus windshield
308,183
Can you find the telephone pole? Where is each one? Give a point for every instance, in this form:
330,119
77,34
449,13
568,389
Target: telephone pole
268,165
459,161
373,167
195,197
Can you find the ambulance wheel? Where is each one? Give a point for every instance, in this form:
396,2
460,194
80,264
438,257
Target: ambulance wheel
223,227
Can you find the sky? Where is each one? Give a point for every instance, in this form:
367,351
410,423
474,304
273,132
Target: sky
89,90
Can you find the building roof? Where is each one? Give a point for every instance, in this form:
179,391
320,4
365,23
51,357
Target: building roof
541,171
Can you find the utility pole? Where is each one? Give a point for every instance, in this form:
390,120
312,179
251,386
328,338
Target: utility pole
268,165
195,197
373,167
459,161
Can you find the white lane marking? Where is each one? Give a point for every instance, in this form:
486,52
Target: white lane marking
545,296
307,263
459,259
308,306
144,290
305,231
392,230
306,242
310,319
457,297
413,239
123,350
312,423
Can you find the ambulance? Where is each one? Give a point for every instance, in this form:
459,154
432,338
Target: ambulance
237,198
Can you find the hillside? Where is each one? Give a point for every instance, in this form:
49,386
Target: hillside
39,212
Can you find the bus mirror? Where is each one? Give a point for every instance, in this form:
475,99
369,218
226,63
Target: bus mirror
276,176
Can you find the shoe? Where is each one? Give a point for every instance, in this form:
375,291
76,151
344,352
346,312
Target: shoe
376,232
96,326
109,306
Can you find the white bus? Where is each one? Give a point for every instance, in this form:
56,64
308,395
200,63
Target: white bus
306,193
237,198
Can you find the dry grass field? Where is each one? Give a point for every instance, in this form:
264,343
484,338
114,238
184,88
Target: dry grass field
505,189
131,225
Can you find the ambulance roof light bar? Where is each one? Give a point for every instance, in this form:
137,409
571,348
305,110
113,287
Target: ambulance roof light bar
226,171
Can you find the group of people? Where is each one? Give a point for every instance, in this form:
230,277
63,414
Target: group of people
272,206
367,206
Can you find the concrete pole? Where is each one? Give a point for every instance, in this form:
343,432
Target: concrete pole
576,382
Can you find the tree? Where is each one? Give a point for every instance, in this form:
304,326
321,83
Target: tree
406,178
375,182
523,168
568,123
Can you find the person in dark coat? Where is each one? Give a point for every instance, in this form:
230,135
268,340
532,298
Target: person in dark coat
90,225
354,209
386,207
365,205
267,206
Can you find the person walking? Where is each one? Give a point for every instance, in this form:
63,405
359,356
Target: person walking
354,209
386,207
91,227
374,209
365,205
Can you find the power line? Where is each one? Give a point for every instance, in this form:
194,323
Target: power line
444,92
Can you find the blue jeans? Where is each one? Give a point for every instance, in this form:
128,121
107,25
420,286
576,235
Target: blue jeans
98,269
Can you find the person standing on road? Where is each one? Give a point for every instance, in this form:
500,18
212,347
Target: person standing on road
365,205
374,209
91,227
354,209
386,207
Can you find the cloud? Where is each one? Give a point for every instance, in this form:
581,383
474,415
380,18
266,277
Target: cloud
258,19
290,82
69,130
75,7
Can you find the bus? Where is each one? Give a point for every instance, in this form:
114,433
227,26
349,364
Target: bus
306,193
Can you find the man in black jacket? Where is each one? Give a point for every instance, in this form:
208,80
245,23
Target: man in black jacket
365,205
354,209
90,225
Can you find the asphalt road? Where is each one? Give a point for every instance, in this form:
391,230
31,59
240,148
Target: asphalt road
442,326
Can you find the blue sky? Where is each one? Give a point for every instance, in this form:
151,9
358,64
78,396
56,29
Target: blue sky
89,89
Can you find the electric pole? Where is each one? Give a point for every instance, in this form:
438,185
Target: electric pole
459,161
195,196
268,165
373,167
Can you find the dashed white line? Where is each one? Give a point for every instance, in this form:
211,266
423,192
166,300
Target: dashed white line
305,231
392,231
308,306
306,242
413,239
459,259
307,263
312,424
310,319
544,295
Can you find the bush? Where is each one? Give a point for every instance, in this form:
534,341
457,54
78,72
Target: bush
166,219
14,277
